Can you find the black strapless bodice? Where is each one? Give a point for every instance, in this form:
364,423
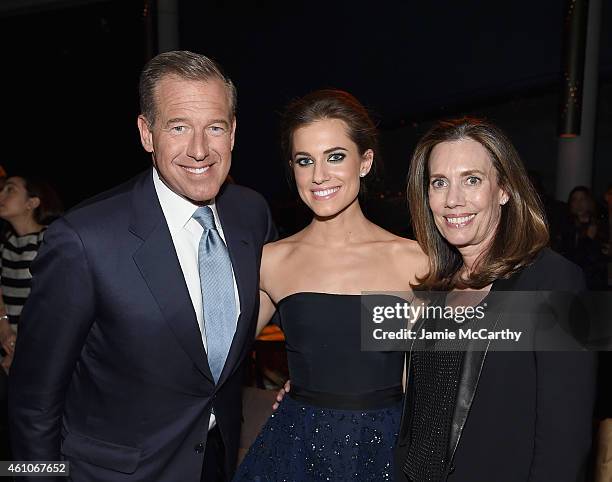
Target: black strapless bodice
342,416
323,341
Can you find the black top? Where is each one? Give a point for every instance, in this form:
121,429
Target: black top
435,372
323,341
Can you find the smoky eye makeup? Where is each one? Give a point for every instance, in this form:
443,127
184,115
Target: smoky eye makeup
303,161
336,157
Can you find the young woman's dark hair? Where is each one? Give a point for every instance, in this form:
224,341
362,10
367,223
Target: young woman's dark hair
50,207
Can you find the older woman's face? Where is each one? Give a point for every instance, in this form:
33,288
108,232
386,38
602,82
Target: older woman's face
464,196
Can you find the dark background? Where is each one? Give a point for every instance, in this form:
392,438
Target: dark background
69,80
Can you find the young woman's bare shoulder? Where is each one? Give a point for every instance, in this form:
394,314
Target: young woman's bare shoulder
407,246
411,253
411,247
276,259
278,250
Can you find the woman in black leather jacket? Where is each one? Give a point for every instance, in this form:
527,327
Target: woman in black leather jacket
474,413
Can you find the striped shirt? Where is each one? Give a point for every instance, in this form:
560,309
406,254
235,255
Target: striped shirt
15,278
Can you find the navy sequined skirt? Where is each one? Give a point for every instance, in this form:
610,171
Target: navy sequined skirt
303,442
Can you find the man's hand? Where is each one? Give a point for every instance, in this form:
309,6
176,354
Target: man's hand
281,394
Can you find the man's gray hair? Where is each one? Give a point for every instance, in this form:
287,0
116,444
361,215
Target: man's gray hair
184,65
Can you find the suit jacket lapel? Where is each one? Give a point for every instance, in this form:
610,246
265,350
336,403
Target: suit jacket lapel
242,254
156,258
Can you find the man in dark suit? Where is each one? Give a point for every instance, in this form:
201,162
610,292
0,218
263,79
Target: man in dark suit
144,299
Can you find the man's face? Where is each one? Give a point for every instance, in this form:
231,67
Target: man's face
192,138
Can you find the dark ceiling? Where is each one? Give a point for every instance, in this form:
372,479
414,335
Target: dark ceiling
70,69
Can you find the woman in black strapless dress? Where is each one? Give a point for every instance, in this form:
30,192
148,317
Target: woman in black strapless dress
341,418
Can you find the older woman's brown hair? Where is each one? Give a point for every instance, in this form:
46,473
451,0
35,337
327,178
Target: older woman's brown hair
522,231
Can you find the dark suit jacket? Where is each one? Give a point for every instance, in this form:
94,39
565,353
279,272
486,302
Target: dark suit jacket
521,416
110,371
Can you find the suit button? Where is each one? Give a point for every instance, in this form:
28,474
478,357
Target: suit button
199,448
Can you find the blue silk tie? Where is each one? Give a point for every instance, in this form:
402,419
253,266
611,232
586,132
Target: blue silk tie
217,285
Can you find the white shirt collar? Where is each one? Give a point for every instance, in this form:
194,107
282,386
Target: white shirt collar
177,210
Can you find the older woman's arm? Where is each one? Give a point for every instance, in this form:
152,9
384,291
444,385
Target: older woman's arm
565,401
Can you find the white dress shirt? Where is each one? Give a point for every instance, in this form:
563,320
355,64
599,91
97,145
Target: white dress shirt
186,233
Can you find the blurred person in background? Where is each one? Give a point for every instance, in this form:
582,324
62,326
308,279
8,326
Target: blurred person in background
27,205
585,241
3,224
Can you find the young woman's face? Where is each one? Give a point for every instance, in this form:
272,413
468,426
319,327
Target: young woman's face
464,196
327,166
15,202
